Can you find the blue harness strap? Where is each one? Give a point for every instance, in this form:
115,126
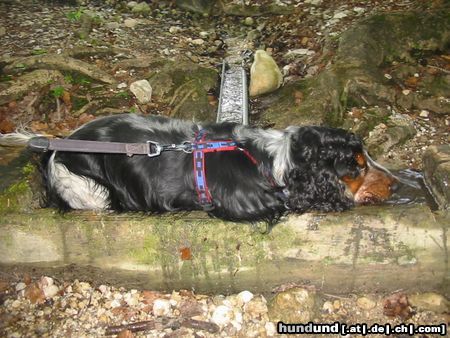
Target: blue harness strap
199,148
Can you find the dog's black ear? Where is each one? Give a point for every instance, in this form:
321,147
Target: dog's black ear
317,189
305,145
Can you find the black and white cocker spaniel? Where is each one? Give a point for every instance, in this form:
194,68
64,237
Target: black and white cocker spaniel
253,175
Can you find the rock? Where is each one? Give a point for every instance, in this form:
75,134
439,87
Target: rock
199,6
174,29
365,303
50,291
295,305
2,31
184,86
436,168
130,23
198,42
429,301
161,307
424,113
291,54
245,296
249,21
222,315
256,307
265,76
112,25
122,85
29,82
383,137
141,8
328,307
131,4
438,105
142,90
340,15
20,286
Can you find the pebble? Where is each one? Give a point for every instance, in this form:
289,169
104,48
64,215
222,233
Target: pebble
122,85
245,296
249,21
50,291
198,42
20,286
112,25
365,303
161,307
130,23
222,315
174,29
424,113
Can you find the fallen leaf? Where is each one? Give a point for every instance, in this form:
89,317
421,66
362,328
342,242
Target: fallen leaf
148,297
3,286
35,294
412,81
7,126
397,305
186,254
125,334
27,279
38,126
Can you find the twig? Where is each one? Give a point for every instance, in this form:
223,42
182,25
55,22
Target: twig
439,68
165,322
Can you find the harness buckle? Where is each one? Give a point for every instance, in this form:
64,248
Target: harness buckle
154,149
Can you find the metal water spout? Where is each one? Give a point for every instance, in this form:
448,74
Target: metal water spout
233,99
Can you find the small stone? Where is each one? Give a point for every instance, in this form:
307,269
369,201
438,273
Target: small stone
20,286
340,15
424,113
131,4
112,25
406,92
245,296
388,76
366,303
174,29
337,304
429,301
50,291
16,304
198,42
142,90
249,21
115,303
122,85
130,23
2,30
141,8
161,307
222,315
270,329
328,307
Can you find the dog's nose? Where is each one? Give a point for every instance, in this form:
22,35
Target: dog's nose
394,186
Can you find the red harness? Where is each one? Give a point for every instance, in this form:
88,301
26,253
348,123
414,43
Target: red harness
199,148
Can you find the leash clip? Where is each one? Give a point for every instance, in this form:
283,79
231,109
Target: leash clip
157,149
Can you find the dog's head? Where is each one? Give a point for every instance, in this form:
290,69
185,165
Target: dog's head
330,171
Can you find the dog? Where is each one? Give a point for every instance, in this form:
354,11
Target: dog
264,175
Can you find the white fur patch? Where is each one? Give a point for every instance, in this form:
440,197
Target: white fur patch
78,191
276,143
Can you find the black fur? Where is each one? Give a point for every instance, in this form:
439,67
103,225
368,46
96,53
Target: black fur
241,190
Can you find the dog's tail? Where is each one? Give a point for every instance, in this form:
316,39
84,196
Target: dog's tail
17,139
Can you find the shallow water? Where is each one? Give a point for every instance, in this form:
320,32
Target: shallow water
412,190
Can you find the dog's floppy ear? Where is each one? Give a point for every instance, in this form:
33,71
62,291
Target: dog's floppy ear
305,145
